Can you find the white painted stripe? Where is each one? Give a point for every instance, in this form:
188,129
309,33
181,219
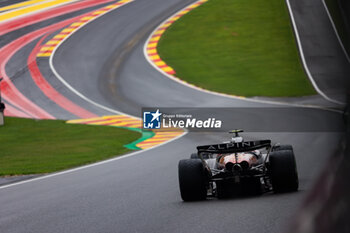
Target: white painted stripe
303,58
36,11
94,164
90,165
227,95
336,31
59,77
118,112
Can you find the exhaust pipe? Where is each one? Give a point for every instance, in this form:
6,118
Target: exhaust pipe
229,166
245,165
236,168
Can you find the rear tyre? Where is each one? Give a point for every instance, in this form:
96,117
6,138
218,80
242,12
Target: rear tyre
193,180
282,147
283,171
194,156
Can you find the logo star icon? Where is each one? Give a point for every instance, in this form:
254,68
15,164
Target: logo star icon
156,115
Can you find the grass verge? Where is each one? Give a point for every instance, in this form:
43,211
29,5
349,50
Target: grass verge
43,146
237,47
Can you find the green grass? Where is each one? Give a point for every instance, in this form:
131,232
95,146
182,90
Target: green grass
339,23
42,146
237,47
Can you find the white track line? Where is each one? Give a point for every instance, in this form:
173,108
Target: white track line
242,98
90,165
118,112
336,31
59,77
303,58
98,105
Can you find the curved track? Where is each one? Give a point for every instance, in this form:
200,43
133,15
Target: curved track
104,61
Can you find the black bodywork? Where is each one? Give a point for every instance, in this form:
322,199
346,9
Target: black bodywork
255,180
275,170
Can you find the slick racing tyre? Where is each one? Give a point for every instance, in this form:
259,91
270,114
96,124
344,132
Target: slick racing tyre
195,156
283,171
193,180
282,147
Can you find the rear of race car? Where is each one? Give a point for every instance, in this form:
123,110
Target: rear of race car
245,168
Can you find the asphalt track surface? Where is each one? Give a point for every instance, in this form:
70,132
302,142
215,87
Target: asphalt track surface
8,2
324,55
104,61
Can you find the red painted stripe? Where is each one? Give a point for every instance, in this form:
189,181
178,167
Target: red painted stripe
155,141
8,89
51,92
89,122
106,124
13,112
128,125
41,16
118,122
56,40
108,119
162,66
84,20
13,95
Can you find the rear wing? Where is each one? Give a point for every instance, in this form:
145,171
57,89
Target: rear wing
234,147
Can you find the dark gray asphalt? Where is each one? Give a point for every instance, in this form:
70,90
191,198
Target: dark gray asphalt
324,55
4,3
17,69
19,74
140,193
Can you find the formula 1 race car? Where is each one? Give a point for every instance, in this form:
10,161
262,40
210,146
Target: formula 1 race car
238,167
